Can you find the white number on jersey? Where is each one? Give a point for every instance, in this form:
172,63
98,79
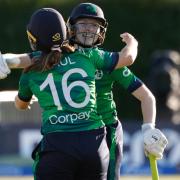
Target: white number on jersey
67,88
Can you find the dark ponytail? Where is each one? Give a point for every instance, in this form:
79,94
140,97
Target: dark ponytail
44,62
48,60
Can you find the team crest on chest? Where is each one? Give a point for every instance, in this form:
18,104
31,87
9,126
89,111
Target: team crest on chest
98,74
126,73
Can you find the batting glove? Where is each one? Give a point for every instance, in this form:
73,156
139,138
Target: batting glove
4,69
154,140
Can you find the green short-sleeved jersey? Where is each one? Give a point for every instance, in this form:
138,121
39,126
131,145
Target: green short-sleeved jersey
104,84
66,93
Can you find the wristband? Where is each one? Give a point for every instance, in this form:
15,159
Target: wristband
147,126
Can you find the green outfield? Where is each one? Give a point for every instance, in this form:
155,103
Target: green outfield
123,178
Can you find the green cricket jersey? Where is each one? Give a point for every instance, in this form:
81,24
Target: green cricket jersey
104,84
66,93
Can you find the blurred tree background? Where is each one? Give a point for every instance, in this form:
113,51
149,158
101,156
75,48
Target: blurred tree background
155,24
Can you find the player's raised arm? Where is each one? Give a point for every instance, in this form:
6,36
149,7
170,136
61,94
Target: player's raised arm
127,57
128,54
17,60
4,69
9,61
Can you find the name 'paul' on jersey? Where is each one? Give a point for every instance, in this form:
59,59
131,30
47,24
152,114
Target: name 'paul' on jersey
66,93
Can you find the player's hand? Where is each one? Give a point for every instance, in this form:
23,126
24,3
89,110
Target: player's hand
154,141
129,39
4,69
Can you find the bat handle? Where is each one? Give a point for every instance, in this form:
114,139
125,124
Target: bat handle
153,166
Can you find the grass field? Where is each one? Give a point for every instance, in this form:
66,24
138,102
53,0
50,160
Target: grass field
123,178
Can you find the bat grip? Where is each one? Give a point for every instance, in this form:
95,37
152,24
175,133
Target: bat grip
153,166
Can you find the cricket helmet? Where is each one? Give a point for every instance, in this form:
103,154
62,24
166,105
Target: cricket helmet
87,10
46,30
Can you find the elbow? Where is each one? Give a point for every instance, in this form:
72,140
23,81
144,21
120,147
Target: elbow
151,98
128,54
125,61
132,57
130,60
20,105
146,96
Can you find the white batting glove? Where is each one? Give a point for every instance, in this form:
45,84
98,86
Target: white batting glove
154,140
4,69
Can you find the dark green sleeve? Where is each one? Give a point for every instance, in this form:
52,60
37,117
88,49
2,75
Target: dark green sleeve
105,60
24,92
126,79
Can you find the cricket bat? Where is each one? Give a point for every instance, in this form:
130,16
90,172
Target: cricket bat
153,166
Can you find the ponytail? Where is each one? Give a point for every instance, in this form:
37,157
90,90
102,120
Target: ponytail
44,62
48,60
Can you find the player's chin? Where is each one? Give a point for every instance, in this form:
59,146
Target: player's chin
87,43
